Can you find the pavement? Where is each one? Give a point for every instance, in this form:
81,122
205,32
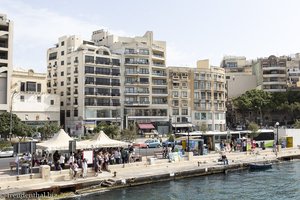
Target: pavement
10,184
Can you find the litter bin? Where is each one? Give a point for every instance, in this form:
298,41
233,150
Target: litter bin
151,161
25,168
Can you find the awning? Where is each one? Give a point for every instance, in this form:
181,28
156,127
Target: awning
182,125
146,126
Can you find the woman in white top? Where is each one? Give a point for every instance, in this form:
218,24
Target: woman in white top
75,169
84,168
62,161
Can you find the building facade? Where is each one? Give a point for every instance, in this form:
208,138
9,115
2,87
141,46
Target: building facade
209,96
180,104
87,78
30,100
274,73
144,78
6,44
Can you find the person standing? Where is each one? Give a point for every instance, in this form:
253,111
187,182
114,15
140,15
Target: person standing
84,168
75,169
62,162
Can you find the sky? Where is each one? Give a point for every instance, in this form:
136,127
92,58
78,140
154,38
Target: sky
192,29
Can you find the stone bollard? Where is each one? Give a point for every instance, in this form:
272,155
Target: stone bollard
45,172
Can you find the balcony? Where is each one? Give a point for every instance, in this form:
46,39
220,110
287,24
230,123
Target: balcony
76,92
136,63
159,65
75,82
137,103
115,94
76,72
137,92
115,84
159,74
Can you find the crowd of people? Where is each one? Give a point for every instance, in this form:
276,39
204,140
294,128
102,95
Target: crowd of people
76,162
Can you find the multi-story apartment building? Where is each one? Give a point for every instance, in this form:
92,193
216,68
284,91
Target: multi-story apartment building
293,72
236,64
274,73
6,39
87,78
30,100
208,96
180,104
144,75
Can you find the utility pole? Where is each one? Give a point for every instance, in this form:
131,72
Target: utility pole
11,123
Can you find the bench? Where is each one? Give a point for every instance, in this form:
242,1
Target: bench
12,165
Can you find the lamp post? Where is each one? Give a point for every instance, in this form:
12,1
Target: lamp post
277,125
188,149
10,123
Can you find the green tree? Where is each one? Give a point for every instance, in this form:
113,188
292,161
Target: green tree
253,127
5,124
297,124
129,134
23,130
48,129
112,130
255,100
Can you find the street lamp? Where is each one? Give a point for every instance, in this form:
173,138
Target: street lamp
188,149
277,125
10,124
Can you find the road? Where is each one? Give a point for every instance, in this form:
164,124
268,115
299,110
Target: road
4,162
147,151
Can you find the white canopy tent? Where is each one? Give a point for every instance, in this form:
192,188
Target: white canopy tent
60,141
101,140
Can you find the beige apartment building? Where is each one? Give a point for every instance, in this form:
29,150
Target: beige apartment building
209,96
6,44
87,78
274,73
180,103
144,79
30,100
197,96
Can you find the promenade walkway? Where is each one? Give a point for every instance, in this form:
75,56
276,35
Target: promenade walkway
10,184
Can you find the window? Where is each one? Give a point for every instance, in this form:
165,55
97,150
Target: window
22,98
203,116
75,113
62,62
175,111
68,113
62,83
38,99
39,87
31,86
61,93
197,116
62,43
89,70
22,89
61,103
52,102
184,111
184,94
62,53
62,73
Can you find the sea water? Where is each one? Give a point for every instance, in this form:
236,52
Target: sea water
282,181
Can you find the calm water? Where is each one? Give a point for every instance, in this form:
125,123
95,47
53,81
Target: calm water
280,182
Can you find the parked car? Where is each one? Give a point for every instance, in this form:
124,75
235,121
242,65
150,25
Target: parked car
152,143
168,143
7,152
